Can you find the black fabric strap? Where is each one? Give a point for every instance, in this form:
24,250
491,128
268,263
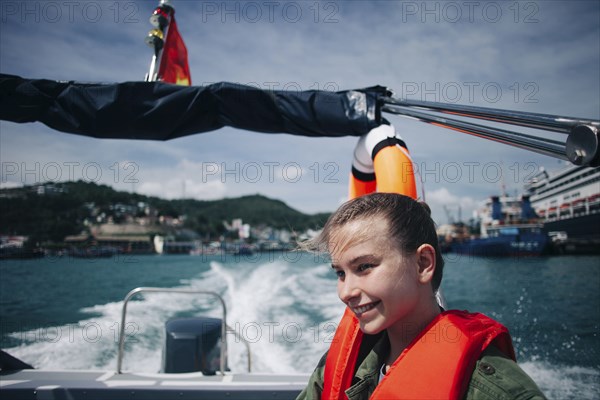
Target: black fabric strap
388,142
363,176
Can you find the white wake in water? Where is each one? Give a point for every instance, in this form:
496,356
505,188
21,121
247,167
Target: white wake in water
279,307
273,307
564,382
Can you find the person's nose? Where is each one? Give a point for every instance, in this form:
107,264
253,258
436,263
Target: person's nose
348,289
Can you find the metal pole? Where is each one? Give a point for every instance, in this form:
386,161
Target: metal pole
540,145
582,146
527,119
161,19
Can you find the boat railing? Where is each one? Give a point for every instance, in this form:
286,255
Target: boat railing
246,344
224,327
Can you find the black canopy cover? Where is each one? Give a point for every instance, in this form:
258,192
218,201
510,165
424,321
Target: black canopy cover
160,111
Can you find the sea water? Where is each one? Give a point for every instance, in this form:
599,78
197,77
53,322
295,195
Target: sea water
65,313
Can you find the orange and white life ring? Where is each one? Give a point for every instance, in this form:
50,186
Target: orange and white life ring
382,163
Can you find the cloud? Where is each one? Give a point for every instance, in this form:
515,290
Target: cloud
186,179
174,188
439,198
10,185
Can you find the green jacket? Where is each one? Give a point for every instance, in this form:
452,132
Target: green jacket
496,377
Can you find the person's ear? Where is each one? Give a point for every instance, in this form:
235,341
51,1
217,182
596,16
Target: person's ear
426,262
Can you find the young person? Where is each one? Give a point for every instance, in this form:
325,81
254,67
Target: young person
394,340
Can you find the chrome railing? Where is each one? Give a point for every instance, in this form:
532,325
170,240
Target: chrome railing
246,344
185,291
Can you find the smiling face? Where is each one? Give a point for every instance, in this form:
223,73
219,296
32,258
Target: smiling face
382,286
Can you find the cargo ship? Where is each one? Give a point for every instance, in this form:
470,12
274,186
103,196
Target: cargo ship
509,227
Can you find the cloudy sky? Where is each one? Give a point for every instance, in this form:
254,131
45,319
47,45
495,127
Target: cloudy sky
539,56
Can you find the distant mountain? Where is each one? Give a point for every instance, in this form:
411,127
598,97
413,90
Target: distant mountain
54,210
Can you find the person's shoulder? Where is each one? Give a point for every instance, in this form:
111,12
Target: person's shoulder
314,388
498,377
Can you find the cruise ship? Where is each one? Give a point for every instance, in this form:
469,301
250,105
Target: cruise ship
568,202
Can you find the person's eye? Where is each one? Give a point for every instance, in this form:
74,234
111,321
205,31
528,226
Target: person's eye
364,267
340,274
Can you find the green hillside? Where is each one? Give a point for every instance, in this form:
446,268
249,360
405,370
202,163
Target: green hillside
53,211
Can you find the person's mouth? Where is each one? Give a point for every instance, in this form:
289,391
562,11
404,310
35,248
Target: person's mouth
361,309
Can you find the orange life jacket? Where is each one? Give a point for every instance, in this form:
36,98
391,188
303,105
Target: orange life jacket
438,363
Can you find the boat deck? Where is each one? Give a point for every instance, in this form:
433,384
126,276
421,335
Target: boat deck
68,384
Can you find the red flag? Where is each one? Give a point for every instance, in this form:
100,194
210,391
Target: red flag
174,66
